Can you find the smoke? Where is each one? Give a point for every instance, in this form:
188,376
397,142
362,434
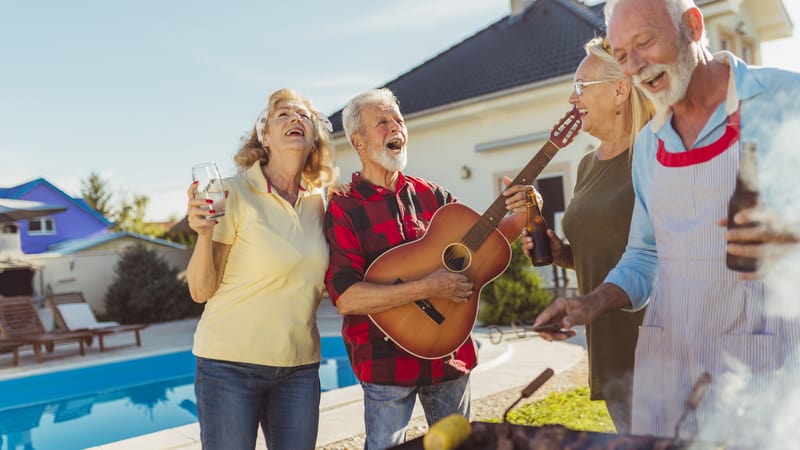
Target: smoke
781,194
758,403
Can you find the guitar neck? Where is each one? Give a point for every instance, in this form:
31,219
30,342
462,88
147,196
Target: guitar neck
491,218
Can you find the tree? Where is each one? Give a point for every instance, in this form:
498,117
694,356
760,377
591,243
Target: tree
516,294
130,217
127,215
147,289
95,191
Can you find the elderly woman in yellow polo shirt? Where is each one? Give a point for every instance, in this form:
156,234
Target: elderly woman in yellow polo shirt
260,269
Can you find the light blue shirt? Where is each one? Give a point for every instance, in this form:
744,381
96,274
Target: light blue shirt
770,109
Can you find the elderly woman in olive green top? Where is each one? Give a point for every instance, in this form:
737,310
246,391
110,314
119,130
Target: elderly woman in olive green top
598,217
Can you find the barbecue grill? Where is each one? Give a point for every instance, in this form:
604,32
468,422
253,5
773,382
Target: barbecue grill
505,436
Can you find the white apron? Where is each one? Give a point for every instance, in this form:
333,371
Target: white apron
700,317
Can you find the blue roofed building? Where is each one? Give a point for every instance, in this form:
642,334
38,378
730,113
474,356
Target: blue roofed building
69,247
79,221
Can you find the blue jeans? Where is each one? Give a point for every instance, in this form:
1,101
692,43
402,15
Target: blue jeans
233,398
387,409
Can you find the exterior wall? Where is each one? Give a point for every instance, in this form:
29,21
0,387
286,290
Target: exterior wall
74,223
90,272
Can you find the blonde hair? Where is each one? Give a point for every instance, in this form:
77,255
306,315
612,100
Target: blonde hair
318,170
641,109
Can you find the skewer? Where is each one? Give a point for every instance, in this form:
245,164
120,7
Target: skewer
530,389
693,401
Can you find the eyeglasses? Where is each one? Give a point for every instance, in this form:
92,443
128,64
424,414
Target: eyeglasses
579,85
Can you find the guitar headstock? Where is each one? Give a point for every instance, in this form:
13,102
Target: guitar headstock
564,132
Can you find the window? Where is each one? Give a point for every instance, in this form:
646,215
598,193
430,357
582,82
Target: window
748,51
41,226
727,40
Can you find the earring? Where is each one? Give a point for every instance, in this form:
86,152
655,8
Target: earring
619,113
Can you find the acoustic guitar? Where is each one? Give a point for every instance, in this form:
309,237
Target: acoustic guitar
462,241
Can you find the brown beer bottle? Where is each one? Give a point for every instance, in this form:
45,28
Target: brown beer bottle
536,227
744,196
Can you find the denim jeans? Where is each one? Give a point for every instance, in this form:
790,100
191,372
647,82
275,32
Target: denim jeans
387,409
233,398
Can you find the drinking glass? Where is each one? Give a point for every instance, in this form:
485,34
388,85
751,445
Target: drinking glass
209,186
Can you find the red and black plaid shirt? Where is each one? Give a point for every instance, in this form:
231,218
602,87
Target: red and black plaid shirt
361,225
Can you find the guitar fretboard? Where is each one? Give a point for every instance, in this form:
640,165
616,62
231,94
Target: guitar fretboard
490,219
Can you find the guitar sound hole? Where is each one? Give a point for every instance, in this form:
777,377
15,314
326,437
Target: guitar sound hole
456,257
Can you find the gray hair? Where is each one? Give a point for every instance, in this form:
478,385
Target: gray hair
676,8
351,115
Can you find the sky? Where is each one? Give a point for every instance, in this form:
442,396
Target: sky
139,91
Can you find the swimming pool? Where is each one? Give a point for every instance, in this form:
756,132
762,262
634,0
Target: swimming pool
90,406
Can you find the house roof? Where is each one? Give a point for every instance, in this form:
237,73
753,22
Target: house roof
543,42
78,245
17,192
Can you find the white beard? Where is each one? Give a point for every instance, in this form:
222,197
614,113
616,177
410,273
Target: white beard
679,74
390,162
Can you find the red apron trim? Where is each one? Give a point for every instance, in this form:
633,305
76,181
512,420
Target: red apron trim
701,154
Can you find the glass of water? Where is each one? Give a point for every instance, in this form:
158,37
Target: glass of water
209,186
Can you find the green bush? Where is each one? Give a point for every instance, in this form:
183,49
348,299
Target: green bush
146,289
572,408
516,294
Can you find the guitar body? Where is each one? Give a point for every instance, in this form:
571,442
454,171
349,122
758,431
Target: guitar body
462,241
436,328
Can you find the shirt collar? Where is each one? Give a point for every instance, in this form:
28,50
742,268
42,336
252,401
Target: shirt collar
741,86
369,191
259,183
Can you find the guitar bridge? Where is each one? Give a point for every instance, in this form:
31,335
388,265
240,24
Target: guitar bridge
426,307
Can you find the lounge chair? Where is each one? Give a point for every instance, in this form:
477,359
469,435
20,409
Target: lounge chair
19,322
11,346
73,313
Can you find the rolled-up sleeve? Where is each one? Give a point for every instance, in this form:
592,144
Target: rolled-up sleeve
638,267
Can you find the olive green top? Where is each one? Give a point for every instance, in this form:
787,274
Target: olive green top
596,224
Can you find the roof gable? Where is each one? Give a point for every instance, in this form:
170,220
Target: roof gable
545,41
17,192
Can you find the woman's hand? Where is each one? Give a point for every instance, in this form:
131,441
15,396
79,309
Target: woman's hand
337,189
562,257
197,213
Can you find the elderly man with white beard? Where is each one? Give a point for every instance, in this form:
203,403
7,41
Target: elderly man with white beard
702,317
382,209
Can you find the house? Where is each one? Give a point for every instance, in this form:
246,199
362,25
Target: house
77,222
73,249
87,265
481,109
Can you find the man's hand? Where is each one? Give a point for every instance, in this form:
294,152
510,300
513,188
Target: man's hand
516,198
767,239
557,320
445,284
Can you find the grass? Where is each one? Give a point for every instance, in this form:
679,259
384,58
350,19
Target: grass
572,409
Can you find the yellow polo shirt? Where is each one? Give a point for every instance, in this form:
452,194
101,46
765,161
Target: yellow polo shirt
264,312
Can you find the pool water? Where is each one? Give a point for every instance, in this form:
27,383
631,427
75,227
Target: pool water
90,406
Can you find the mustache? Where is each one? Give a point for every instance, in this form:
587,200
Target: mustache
648,73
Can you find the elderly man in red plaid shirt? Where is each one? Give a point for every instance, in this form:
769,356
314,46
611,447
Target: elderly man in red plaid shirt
383,208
